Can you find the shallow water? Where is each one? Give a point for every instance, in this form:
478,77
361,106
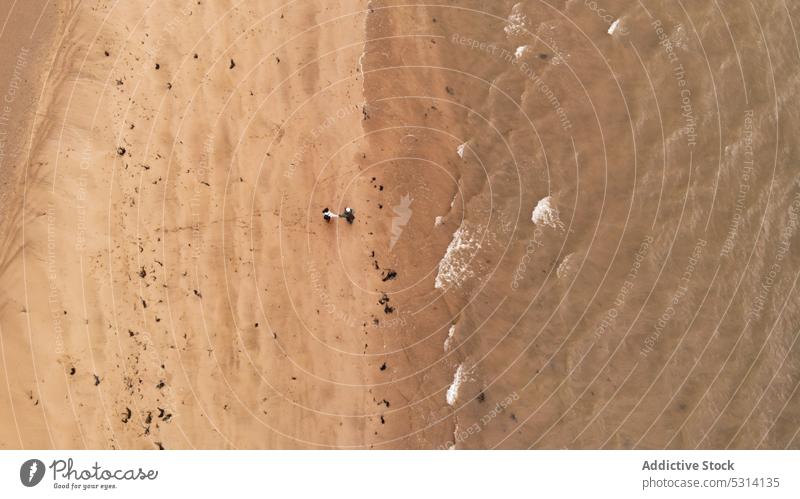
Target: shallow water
616,259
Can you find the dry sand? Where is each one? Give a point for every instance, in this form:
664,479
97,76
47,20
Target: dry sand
167,280
174,266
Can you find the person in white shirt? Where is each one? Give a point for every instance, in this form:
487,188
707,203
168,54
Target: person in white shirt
328,215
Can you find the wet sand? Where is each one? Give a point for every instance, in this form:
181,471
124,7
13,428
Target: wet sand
573,226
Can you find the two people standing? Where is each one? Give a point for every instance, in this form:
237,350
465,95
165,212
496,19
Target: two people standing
348,215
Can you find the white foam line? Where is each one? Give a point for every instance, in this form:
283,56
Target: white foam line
452,392
449,340
454,265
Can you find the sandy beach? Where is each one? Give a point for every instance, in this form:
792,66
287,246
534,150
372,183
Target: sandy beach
573,226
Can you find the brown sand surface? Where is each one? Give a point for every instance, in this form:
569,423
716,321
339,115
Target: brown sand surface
569,233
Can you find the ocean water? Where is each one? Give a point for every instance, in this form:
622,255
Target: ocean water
603,201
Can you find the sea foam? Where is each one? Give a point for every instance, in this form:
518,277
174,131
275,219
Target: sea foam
458,378
449,340
454,266
546,214
517,22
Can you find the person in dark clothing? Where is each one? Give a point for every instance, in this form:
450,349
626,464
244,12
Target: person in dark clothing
348,215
